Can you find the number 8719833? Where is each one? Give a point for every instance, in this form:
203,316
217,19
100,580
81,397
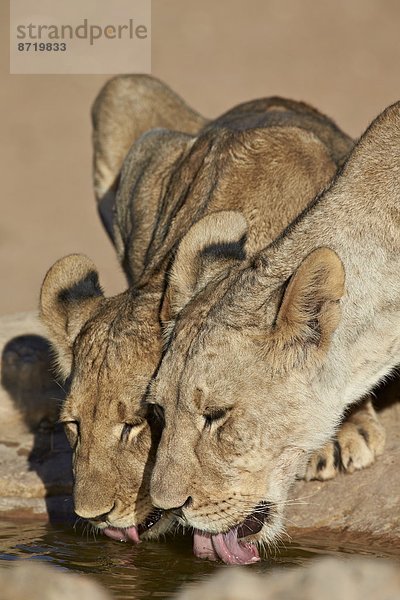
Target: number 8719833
42,46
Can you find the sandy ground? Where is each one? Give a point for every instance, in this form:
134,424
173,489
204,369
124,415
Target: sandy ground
341,56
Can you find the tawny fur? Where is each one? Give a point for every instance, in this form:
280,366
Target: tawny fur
281,345
160,168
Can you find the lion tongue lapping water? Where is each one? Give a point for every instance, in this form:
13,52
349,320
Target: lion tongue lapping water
226,547
122,535
229,546
133,533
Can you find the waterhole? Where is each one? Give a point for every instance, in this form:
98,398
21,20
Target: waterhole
151,569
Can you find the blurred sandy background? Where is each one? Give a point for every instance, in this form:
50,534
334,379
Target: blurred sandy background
341,56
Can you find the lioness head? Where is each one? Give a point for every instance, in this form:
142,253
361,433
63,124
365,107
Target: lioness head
100,342
228,451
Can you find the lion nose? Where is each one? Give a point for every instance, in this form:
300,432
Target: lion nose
175,507
187,504
94,516
100,518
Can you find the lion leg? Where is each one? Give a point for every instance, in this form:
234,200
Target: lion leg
360,439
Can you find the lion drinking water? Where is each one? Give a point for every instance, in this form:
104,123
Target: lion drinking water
162,173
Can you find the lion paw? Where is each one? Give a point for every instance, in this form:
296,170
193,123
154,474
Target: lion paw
360,439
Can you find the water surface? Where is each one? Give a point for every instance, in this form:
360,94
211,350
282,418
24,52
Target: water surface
149,570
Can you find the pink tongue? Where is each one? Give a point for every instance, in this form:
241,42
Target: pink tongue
226,546
122,535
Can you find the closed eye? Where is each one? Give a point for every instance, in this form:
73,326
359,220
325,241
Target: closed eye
131,430
214,415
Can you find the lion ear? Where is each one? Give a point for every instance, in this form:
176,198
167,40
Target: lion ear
209,249
70,294
310,308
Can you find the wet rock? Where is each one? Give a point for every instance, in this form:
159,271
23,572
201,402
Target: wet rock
327,579
28,579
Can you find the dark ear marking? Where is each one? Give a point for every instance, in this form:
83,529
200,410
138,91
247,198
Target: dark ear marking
70,295
87,287
234,250
209,249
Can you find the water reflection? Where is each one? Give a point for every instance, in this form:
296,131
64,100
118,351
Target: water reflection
154,570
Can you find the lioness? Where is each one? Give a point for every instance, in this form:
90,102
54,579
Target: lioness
265,158
263,360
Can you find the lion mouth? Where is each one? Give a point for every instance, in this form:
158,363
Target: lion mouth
133,533
229,547
254,522
150,520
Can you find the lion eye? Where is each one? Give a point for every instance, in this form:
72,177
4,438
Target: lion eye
72,431
213,416
131,430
